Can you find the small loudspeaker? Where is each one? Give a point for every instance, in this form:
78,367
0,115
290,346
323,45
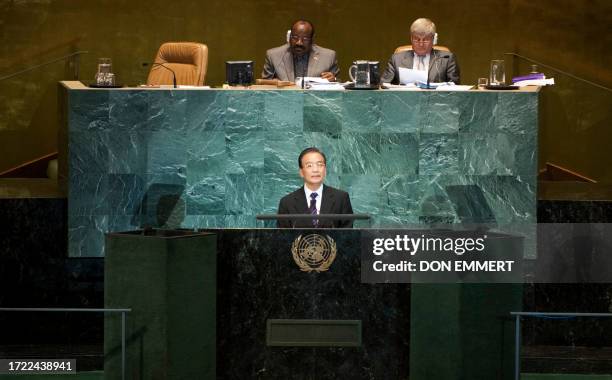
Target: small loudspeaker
239,73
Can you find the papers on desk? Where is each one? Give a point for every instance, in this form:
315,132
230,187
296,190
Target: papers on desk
535,82
170,86
408,76
298,80
325,86
441,86
401,87
194,87
454,87
317,83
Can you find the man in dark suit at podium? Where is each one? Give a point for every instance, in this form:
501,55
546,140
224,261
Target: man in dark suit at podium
314,197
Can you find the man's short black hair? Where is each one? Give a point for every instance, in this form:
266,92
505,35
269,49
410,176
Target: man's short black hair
311,150
306,22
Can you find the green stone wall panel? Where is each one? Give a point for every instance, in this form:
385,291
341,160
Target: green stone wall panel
439,153
217,158
477,114
401,112
399,153
164,274
359,153
323,112
441,112
205,112
283,112
361,112
364,190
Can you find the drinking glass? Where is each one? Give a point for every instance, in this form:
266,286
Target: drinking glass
104,76
497,75
482,83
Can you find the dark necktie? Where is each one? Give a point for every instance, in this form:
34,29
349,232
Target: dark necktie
300,65
313,208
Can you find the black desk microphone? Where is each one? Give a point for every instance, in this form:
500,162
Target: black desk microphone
162,64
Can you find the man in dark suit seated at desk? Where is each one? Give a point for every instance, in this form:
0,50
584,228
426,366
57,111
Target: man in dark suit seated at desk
441,66
314,197
300,57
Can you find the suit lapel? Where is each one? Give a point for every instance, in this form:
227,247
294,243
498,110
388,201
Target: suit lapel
288,64
407,61
327,203
300,202
313,61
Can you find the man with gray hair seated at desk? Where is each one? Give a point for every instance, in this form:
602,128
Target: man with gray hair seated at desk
440,64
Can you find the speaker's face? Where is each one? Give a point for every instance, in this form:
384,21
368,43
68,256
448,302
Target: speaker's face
313,170
422,43
300,38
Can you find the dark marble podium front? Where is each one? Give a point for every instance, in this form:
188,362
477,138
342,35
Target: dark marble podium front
258,280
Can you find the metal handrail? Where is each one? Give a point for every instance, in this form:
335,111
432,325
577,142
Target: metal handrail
560,71
517,333
76,53
87,310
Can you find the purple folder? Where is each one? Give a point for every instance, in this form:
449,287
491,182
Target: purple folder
529,77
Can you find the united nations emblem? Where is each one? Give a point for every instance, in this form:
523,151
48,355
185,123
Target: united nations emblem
314,252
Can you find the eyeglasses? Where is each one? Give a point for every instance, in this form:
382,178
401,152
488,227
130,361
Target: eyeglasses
295,38
312,165
421,41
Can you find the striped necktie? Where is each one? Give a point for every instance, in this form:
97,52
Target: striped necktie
313,208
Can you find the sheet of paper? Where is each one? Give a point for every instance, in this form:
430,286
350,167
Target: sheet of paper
454,87
325,86
194,87
412,76
400,87
298,80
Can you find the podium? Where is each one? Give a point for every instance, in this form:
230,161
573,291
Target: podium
251,311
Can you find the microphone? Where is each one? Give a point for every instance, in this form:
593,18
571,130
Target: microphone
162,64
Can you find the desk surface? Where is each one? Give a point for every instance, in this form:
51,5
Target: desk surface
78,85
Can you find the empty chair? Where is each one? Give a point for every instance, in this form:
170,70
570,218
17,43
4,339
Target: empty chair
188,60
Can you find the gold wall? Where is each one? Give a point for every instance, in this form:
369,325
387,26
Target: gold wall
571,35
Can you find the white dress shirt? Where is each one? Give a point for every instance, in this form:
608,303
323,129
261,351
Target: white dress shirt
415,62
319,192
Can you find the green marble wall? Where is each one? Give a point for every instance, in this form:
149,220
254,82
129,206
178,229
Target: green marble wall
217,158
